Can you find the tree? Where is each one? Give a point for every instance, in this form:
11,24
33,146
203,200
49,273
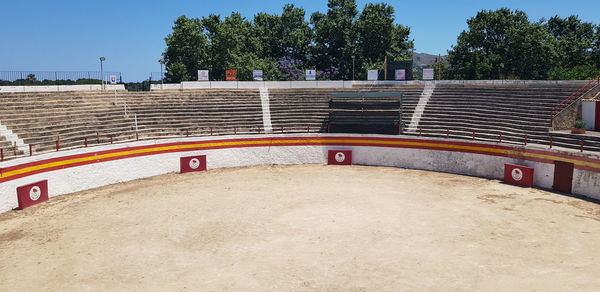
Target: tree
378,37
573,40
186,51
335,37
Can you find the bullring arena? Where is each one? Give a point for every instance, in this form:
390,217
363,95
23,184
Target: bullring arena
254,194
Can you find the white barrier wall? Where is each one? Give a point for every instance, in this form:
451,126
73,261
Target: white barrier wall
60,88
239,151
588,109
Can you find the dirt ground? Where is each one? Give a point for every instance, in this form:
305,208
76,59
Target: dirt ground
304,228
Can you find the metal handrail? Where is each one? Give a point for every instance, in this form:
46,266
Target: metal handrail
575,96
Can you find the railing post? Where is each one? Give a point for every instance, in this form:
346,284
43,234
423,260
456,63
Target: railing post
15,149
447,133
98,137
581,145
234,130
58,144
187,133
473,135
420,131
1,154
30,150
211,131
85,143
500,138
551,141
137,136
111,139
307,129
282,130
526,138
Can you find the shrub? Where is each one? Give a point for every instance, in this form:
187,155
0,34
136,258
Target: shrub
579,124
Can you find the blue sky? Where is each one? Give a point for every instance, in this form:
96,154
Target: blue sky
70,35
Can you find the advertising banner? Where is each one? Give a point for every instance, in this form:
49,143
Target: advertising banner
372,75
202,75
400,74
231,75
428,74
257,75
311,75
518,175
113,79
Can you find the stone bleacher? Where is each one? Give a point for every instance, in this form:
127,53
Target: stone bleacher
307,110
515,111
40,118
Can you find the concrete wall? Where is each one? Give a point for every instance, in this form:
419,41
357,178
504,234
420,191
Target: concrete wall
343,84
162,156
588,109
59,88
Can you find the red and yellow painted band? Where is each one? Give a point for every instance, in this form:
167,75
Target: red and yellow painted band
26,169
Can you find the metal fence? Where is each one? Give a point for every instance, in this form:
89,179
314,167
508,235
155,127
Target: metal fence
54,76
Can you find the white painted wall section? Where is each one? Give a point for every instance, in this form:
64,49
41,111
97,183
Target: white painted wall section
589,114
423,100
266,110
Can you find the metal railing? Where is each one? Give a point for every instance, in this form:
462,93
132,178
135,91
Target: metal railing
574,97
55,77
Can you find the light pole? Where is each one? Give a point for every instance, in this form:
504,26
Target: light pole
162,76
353,58
102,59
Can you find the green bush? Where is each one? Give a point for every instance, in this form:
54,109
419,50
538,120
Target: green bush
579,124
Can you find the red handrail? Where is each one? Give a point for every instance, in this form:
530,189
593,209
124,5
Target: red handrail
577,94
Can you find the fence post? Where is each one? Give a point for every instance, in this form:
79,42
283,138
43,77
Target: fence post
85,143
98,137
137,136
1,154
15,149
581,145
58,143
30,150
211,131
551,141
111,139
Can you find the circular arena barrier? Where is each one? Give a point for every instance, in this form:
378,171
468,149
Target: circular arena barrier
27,181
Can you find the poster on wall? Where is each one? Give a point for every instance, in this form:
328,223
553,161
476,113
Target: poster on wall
202,75
311,75
257,75
231,75
372,75
400,74
113,79
428,74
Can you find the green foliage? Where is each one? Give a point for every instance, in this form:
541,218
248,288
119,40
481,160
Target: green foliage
328,45
504,44
579,124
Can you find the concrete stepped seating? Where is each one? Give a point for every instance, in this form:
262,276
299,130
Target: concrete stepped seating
8,151
307,110
572,141
515,112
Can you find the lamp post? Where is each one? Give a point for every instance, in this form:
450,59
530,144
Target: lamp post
353,59
162,76
102,59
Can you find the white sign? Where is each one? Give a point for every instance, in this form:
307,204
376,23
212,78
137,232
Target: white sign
257,75
311,75
372,75
427,74
400,74
203,75
113,79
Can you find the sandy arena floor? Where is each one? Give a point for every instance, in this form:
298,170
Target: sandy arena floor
304,228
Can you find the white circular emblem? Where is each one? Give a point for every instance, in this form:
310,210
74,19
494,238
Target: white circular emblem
517,174
35,193
340,157
194,163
